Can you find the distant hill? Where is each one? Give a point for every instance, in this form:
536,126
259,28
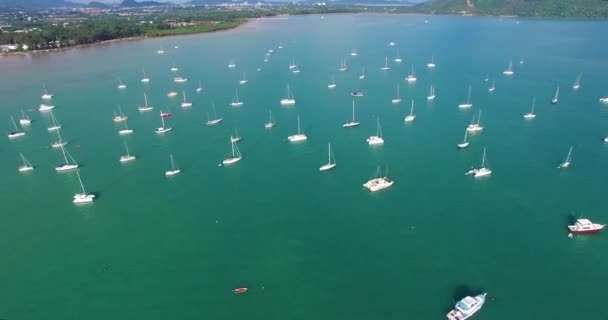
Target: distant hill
36,4
96,4
525,8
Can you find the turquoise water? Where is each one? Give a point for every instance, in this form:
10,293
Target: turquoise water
309,244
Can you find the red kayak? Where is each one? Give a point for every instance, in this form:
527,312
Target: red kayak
239,290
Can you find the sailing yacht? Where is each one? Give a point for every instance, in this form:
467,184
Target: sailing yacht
568,160
398,58
292,64
128,157
289,100
46,95
174,68
231,64
604,99
27,166
200,87
235,157
398,98
144,78
378,183
25,120
431,95
475,127
509,71
125,131
412,76
351,123
16,133
120,117
270,123
45,107
55,125
362,76
296,70
467,104
482,171
236,137
180,79
343,66
173,171
521,61
59,143
280,45
160,51
487,78
530,115
464,143
555,99
493,87
377,139
431,64
392,44
332,84
353,53
172,94
80,198
331,162
411,117
299,136
66,166
577,83
121,85
163,129
236,102
185,102
215,119
145,107
244,80
386,67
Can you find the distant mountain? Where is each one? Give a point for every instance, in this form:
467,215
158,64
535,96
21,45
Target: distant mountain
36,4
135,4
526,8
97,4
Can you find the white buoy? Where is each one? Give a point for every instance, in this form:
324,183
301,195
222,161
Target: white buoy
570,235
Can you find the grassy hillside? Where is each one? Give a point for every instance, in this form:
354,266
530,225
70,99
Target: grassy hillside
527,8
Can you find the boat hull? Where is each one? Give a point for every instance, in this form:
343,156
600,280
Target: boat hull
326,167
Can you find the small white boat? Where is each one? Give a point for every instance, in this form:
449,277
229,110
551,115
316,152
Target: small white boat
555,99
377,139
332,83
46,95
145,107
82,198
521,61
353,122
125,131
236,137
59,143
412,76
54,124
172,94
431,64
467,104
482,171
270,123
398,98
244,80
464,143
299,136
493,87
487,78
411,117
356,94
200,87
174,68
398,58
568,160
292,64
362,76
577,83
25,119
16,133
392,44
128,157
378,183
45,107
475,127
236,102
160,51
343,66
163,129
331,162
353,53
180,79
386,67
235,157
66,165
431,95
467,307
509,71
215,119
231,65
289,100
530,115
280,46
121,85
185,103
144,78
27,166
173,171
120,117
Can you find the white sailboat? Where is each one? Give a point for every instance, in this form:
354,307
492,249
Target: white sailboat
392,44
493,87
353,122
299,136
16,133
236,137
431,64
378,183
173,171
125,130
475,127
412,76
353,53
174,68
280,45
270,123
66,165
144,78
145,107
398,98
386,67
362,76
215,119
236,102
467,104
555,99
180,79
172,94
231,64
377,139
343,66
27,166
509,71
244,80
530,115
292,64
331,162
482,171
398,58
25,119
464,143
431,95
411,117
521,61
59,143
45,107
577,83
289,100
163,129
568,160
161,51
54,124
128,157
121,85
332,83
120,117
46,95
185,102
200,87
235,157
81,198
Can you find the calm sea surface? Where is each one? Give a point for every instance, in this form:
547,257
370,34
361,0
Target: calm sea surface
310,244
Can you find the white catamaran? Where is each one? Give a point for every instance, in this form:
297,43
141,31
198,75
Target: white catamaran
377,139
289,100
299,136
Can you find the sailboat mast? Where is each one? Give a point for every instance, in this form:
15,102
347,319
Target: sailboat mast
127,149
172,163
15,124
145,100
353,110
298,124
65,158
329,152
483,159
80,180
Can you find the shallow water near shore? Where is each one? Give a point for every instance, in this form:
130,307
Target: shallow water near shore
311,244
